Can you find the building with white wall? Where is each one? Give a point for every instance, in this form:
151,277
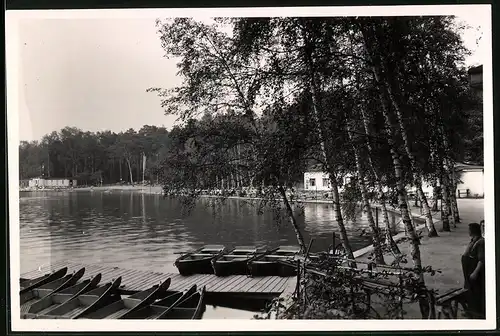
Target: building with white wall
319,181
51,183
471,180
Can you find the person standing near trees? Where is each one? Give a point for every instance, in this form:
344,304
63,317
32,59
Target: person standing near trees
473,269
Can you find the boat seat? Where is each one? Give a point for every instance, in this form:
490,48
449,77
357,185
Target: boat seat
273,256
201,255
213,247
231,258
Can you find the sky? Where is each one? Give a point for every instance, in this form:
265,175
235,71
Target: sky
92,73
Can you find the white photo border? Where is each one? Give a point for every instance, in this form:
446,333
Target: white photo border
13,18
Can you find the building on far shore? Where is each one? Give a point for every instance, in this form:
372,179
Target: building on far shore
470,177
317,180
40,182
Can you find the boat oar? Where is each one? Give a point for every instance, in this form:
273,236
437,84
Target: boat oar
309,249
268,251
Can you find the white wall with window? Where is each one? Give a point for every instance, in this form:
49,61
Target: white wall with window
318,181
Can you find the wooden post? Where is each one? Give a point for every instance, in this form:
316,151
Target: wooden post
393,222
376,216
370,268
297,290
333,243
401,294
309,249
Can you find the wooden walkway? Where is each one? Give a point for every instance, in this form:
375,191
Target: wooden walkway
135,280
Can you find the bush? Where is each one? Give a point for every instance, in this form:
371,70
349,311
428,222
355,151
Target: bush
329,290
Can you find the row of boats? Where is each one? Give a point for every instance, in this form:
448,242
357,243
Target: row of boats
242,260
59,295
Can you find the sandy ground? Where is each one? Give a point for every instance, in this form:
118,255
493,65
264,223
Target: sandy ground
138,188
444,252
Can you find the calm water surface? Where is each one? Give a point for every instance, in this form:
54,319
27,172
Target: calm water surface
142,231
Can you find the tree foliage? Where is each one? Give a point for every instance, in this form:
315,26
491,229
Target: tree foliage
324,90
93,157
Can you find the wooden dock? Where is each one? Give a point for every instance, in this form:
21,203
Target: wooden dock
136,280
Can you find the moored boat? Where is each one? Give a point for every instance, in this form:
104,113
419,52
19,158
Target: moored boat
128,305
27,298
289,251
28,284
159,308
86,303
235,262
272,264
55,299
199,261
191,308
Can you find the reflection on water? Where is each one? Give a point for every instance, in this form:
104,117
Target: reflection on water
142,231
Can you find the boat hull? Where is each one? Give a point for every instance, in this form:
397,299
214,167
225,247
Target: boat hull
87,303
190,267
28,298
199,261
271,267
158,309
54,300
191,308
233,267
121,308
29,284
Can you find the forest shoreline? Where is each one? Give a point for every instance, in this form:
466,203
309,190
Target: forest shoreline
158,190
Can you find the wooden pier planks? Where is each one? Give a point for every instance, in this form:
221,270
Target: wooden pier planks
137,280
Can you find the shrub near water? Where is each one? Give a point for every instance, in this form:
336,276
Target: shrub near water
329,290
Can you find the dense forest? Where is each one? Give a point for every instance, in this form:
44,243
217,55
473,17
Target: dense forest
94,157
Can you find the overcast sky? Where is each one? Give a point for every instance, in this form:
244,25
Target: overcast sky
93,73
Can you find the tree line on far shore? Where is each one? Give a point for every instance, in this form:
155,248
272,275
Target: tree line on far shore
385,100
95,157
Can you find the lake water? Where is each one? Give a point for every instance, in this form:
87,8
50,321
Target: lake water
147,232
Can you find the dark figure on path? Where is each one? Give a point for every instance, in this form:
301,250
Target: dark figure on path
473,268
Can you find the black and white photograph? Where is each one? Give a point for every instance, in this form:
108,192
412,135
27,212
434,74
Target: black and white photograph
262,166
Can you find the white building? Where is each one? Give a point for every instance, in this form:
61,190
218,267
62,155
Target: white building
51,183
319,181
471,180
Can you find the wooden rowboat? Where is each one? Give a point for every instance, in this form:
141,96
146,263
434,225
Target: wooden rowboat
128,305
191,308
87,303
235,262
29,297
271,264
157,309
199,261
29,284
289,251
53,300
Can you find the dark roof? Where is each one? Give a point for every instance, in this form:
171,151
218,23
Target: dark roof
315,168
476,69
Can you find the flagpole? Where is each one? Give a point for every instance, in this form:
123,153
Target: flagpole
143,166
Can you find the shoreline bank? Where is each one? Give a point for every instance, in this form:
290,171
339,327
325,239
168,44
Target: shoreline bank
137,188
158,190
